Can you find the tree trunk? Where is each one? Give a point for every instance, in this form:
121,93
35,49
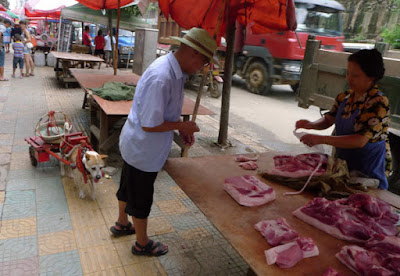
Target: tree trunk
116,38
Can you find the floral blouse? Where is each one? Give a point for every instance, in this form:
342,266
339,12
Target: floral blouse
373,117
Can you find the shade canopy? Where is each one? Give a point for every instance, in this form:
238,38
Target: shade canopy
104,4
54,13
263,16
2,8
4,15
82,13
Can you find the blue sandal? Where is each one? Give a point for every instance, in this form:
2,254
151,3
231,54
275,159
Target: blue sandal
151,249
125,229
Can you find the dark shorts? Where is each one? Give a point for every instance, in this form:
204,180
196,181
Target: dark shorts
18,60
136,189
2,56
99,52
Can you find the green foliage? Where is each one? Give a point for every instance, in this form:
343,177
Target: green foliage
392,36
133,10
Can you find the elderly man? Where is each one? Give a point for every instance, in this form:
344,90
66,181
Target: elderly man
147,135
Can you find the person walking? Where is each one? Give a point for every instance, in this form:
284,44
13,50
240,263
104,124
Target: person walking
87,40
26,40
108,49
7,24
18,48
15,30
99,43
7,38
147,135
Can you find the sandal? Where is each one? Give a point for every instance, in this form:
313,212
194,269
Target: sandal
31,74
151,249
125,229
4,79
25,75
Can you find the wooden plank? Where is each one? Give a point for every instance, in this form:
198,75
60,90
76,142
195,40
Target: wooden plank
76,57
95,131
202,180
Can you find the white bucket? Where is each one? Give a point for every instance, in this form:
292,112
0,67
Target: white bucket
40,59
51,60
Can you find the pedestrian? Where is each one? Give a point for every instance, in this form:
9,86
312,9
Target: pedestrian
26,40
7,24
18,48
147,135
7,38
99,43
87,40
15,30
108,48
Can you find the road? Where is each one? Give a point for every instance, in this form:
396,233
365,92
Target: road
269,120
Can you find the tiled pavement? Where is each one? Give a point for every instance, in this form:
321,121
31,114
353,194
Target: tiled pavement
45,229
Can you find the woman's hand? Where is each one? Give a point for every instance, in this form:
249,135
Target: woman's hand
312,140
306,124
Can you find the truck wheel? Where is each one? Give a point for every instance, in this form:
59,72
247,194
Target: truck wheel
215,89
257,79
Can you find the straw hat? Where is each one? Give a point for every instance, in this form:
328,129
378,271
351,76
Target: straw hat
201,41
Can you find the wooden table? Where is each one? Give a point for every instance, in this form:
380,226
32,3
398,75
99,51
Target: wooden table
202,180
104,114
71,60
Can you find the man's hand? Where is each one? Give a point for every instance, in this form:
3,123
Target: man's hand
188,140
188,128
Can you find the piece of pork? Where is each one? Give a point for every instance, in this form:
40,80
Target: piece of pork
242,158
249,165
276,231
331,272
289,254
248,190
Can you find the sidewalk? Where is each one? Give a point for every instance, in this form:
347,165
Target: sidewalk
45,229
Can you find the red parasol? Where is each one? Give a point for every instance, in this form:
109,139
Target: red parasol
104,4
2,8
33,13
263,16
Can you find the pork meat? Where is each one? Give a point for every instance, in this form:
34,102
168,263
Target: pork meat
248,190
276,231
249,165
242,158
289,254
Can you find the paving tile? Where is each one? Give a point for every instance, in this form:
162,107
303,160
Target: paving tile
118,271
213,259
22,174
7,137
178,192
23,267
145,268
21,148
17,228
63,263
18,211
48,208
52,243
110,215
20,197
171,207
124,252
99,258
20,160
5,149
85,218
185,221
91,236
180,264
108,200
5,158
159,226
17,249
53,223
196,234
44,172
176,245
21,184
2,196
155,211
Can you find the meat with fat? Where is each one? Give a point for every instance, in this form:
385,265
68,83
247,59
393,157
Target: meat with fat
289,254
248,190
242,158
358,218
276,231
249,165
331,272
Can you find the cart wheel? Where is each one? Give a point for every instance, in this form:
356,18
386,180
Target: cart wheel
215,89
32,156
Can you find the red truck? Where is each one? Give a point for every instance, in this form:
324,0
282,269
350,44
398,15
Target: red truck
276,58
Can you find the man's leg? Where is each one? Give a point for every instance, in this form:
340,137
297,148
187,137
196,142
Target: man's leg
1,73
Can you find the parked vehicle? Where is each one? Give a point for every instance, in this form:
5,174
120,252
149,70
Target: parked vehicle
276,58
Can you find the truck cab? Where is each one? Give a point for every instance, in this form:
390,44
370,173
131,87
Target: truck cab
276,58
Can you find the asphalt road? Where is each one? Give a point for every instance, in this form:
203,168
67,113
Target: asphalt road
269,120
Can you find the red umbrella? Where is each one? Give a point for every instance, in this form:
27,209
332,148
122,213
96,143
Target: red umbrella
218,18
2,8
263,16
55,13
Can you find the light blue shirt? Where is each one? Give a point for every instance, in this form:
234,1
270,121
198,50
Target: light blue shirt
158,98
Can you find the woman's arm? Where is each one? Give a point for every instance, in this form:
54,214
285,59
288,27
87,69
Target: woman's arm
323,123
352,141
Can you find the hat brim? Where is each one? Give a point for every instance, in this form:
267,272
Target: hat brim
197,48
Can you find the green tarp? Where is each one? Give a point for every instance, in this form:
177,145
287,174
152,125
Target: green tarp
82,13
115,91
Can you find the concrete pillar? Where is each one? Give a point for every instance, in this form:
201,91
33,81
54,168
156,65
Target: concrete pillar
145,49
